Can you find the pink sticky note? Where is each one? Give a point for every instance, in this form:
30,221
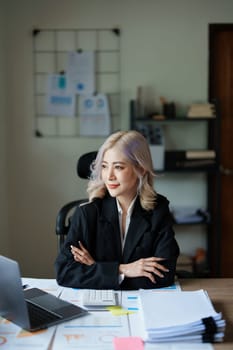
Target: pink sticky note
128,343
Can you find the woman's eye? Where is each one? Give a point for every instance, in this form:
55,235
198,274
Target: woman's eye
104,166
118,167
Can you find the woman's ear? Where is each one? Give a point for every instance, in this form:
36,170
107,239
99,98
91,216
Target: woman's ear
142,171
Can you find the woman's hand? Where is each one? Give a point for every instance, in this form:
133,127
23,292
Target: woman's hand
147,267
82,255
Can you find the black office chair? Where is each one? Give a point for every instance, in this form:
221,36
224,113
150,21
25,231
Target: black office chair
64,215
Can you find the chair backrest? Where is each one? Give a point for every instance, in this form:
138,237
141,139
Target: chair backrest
65,213
84,164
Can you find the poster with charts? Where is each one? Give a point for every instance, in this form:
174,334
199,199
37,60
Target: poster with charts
94,115
60,99
81,72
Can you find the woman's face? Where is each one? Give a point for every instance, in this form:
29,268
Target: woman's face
119,175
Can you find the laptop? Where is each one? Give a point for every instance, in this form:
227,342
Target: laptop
31,309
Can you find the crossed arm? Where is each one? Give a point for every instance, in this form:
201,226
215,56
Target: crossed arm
144,267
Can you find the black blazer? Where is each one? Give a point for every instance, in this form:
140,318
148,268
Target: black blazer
96,225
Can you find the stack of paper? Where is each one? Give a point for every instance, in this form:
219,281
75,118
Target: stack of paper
180,317
200,154
199,110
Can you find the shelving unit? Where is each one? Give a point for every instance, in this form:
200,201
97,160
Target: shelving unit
175,163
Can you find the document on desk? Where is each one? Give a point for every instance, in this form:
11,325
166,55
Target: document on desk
73,295
94,331
179,317
129,299
14,338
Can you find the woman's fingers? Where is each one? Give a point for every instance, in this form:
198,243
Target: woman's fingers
150,267
82,247
76,251
82,255
152,262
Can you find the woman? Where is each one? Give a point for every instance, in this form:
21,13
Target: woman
123,237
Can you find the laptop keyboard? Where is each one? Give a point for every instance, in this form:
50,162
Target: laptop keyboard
40,316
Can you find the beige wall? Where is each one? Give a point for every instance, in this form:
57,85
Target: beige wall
4,241
164,46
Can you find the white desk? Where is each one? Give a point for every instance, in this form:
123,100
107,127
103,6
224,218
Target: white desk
99,328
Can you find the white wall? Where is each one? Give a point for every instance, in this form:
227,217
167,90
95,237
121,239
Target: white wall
164,46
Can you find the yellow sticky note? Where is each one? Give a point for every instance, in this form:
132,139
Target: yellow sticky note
118,310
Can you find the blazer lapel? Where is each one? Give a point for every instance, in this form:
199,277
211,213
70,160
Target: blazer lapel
110,214
138,225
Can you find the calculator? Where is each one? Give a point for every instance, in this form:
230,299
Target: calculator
99,297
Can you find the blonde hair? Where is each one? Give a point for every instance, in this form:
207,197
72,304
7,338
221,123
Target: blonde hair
136,150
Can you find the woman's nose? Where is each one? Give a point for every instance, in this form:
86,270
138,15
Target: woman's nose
111,175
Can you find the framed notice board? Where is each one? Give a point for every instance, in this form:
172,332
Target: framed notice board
50,50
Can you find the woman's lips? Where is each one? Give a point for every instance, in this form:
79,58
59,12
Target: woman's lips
113,186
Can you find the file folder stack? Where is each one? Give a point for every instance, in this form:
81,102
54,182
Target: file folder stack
201,110
180,317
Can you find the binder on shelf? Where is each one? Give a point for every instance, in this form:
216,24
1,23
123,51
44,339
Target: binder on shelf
186,215
196,164
180,317
190,159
